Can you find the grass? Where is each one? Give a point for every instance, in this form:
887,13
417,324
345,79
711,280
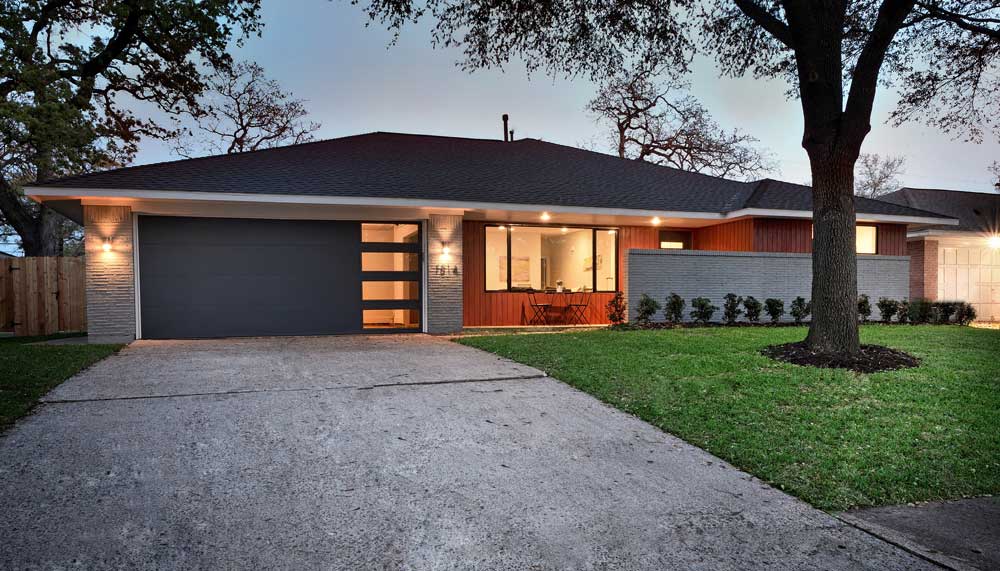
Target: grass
29,371
831,437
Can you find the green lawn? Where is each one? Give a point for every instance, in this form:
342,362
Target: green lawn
29,371
834,438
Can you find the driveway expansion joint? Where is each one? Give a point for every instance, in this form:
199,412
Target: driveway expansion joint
291,390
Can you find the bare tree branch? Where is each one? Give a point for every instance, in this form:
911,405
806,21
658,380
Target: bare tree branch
649,125
246,111
876,175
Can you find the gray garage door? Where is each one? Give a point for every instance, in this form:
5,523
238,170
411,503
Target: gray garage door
216,277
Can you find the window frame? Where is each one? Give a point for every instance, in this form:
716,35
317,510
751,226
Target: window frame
593,241
869,225
392,276
812,238
687,242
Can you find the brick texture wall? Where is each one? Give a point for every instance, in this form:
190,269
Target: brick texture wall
444,274
692,273
923,268
110,275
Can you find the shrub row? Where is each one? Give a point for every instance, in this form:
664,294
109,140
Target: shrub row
733,306
919,311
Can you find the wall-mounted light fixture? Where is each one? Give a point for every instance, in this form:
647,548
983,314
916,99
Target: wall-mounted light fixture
106,246
545,217
655,221
994,241
445,252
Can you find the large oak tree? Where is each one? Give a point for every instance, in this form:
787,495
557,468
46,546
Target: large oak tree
71,69
940,55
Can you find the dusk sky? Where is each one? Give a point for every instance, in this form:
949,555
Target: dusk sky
355,82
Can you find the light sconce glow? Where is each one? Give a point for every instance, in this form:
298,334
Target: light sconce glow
445,252
564,230
107,245
656,221
545,217
993,242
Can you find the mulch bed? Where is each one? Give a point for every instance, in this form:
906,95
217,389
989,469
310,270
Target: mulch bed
872,359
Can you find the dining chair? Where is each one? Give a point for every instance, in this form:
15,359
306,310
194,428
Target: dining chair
578,304
540,309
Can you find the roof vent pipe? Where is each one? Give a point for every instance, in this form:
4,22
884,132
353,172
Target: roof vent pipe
505,118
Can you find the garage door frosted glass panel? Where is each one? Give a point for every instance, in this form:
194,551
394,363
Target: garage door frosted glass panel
210,277
390,233
390,291
390,262
391,318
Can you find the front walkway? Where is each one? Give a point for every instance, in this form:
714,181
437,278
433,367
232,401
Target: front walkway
362,453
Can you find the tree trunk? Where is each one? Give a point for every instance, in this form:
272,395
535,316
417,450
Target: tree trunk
44,238
834,325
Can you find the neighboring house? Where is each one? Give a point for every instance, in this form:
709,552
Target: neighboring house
955,262
394,232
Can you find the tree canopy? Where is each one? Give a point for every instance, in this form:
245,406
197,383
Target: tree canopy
70,70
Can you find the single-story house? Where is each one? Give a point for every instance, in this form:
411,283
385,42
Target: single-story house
955,262
395,232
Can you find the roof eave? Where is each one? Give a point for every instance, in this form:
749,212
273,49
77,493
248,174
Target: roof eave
41,193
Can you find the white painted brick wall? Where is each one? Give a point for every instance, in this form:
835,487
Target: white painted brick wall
444,275
696,273
110,275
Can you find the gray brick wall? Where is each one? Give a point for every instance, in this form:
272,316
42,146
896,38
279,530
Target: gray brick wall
110,275
694,273
444,274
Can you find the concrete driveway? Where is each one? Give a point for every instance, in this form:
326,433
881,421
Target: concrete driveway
378,453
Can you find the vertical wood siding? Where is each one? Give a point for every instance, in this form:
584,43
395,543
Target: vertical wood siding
735,236
892,239
776,235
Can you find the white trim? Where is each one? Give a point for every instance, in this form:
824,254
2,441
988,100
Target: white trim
938,232
135,276
863,216
424,262
34,191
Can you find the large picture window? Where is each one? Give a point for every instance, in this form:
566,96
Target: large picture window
551,258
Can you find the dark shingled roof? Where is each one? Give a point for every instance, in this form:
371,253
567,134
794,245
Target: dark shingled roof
424,167
975,211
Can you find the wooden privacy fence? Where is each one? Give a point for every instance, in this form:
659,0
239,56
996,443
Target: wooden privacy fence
41,296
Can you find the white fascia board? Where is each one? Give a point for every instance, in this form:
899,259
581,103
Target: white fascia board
42,192
807,214
83,193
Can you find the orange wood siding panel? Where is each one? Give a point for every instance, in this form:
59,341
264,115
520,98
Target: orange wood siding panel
483,308
891,239
736,236
776,235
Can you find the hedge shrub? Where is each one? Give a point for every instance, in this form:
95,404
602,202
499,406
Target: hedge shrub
775,308
731,308
800,309
703,310
673,309
646,309
752,307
